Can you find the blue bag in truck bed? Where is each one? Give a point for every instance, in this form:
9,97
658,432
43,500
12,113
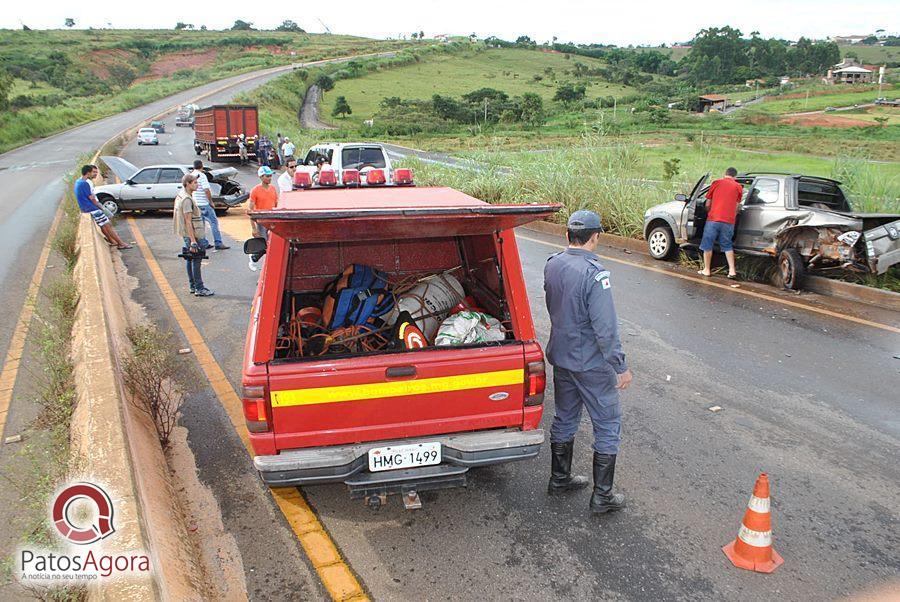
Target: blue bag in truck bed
359,296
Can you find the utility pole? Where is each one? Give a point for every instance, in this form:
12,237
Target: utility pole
615,102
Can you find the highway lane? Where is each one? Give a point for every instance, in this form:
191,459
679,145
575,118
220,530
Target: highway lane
810,399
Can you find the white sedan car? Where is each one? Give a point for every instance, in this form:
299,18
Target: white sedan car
147,136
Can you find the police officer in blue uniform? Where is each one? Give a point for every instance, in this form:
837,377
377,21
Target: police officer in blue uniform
589,366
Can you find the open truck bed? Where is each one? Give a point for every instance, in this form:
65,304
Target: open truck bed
325,414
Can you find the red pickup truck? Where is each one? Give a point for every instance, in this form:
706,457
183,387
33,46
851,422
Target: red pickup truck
390,420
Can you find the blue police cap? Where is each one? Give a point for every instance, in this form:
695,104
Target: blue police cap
584,220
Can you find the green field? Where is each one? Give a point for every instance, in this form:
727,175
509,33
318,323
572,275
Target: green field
509,69
841,98
873,55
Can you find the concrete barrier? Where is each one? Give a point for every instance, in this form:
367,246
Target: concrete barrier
817,284
115,444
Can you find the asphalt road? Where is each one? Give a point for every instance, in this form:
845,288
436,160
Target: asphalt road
809,399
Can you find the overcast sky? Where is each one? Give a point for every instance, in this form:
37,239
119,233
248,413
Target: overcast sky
623,23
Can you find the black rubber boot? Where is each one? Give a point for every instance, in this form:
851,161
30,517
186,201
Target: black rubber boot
561,479
603,499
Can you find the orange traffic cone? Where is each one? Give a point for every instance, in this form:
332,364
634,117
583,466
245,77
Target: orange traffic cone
752,549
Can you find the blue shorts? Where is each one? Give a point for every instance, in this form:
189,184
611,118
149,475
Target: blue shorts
717,232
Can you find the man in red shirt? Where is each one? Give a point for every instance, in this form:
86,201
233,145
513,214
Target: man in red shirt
724,196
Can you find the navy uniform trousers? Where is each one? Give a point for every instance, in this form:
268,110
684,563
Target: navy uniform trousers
595,390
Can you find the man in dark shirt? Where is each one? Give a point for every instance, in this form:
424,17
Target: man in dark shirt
724,196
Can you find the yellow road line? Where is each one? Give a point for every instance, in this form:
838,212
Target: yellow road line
333,570
20,334
727,287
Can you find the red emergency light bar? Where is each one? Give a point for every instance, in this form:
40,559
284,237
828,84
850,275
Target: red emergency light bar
327,177
350,177
302,180
403,176
375,177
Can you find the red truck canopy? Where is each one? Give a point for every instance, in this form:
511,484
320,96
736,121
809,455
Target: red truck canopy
323,215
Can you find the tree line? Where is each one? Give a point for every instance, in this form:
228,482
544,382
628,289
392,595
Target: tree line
719,55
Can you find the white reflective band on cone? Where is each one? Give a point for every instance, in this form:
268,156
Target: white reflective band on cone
758,504
757,539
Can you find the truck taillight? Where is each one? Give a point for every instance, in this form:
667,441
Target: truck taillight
403,176
302,180
350,177
254,401
327,177
375,177
535,383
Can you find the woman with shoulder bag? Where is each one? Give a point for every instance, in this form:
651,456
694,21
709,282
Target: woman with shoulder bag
187,222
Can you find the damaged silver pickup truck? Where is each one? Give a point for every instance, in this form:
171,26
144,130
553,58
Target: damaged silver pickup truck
806,223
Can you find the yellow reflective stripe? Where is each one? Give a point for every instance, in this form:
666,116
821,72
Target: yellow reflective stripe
443,384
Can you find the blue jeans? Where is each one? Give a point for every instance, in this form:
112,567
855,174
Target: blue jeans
596,390
720,232
209,214
193,266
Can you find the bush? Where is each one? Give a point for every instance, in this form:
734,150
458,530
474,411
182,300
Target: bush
156,377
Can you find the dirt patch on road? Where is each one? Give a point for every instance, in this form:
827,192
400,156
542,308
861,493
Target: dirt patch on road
170,63
825,121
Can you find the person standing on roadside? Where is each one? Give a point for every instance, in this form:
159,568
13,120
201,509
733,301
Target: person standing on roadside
262,151
87,203
286,179
724,195
279,142
242,149
263,197
187,222
589,366
287,150
203,199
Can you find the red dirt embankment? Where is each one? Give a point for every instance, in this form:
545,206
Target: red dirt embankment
825,121
99,61
168,64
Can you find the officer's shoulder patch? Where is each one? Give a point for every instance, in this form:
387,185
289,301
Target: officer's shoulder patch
603,278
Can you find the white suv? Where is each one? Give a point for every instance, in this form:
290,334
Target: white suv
147,136
360,156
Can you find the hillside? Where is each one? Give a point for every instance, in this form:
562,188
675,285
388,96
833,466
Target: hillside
510,70
64,78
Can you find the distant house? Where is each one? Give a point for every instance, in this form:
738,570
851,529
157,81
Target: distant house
750,83
848,39
709,102
852,75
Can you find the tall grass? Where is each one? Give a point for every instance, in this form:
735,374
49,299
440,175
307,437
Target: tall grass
869,190
596,178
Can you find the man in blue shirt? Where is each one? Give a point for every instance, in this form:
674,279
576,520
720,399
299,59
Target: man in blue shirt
87,202
589,367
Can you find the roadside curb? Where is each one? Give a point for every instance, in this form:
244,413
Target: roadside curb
816,284
115,444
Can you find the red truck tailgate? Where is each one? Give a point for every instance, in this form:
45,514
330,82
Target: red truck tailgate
391,396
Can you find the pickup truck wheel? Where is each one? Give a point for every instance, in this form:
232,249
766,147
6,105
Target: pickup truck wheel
109,204
791,268
661,242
